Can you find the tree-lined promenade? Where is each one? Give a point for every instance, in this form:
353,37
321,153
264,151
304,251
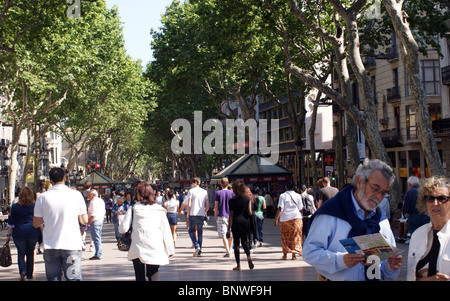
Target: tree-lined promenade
66,70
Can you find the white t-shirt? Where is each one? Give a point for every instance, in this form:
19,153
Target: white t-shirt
171,205
198,198
290,207
60,208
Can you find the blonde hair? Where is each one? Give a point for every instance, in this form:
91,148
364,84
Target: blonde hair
427,186
224,183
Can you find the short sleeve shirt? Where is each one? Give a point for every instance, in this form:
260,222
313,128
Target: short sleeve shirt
197,197
290,204
60,207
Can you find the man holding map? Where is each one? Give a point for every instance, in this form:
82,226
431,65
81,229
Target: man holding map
351,213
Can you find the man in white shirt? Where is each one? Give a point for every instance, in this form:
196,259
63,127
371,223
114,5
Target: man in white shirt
96,213
197,207
61,210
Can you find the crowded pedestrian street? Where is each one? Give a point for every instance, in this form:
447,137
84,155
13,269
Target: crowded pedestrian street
211,266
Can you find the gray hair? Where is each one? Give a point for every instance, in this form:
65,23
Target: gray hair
366,168
94,192
413,180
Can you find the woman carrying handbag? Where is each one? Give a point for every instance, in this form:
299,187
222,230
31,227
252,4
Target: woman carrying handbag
151,240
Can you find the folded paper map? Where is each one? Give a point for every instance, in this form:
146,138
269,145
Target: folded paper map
371,244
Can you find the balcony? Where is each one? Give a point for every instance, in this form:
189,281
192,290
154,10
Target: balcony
391,138
446,75
393,94
441,126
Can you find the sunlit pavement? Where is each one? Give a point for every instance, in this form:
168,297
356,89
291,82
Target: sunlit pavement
211,266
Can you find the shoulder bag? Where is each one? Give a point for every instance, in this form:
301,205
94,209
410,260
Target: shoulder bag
5,254
125,241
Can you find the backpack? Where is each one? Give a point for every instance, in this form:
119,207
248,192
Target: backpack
307,205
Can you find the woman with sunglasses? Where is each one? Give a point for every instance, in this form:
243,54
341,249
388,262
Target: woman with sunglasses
429,249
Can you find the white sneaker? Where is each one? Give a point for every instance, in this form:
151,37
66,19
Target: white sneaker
91,248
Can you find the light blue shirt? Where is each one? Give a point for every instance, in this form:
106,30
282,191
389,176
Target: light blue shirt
323,250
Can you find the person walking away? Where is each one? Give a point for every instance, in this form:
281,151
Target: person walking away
260,206
270,205
20,226
96,213
108,207
399,220
151,239
197,206
308,208
61,210
118,210
239,223
429,248
172,206
327,191
222,213
415,219
289,215
352,212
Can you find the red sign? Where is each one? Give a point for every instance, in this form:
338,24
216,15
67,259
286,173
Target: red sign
94,166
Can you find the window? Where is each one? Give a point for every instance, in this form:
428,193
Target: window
435,111
411,132
430,75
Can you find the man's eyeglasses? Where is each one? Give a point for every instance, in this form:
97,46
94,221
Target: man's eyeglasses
377,190
431,198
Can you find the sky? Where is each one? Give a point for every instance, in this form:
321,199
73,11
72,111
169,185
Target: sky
138,16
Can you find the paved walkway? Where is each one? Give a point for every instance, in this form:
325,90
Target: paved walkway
211,266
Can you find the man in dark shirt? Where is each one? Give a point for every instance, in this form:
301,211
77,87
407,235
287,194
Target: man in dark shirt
327,192
414,218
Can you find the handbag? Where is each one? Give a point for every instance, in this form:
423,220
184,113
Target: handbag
5,254
125,241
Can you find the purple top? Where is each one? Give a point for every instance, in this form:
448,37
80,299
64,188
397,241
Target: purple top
223,196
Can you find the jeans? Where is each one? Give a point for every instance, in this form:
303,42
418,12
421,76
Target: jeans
25,248
66,261
96,234
196,221
260,223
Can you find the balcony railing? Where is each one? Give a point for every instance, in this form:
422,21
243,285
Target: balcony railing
391,138
446,75
393,93
441,126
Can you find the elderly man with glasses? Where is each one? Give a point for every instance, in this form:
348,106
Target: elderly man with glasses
352,212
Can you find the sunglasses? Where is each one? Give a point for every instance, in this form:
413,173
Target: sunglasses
441,199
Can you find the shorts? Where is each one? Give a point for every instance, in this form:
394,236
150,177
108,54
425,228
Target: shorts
222,225
172,217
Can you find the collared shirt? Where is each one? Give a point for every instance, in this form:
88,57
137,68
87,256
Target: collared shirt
97,209
323,250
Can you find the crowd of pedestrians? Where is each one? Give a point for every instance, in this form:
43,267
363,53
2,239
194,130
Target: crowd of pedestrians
310,227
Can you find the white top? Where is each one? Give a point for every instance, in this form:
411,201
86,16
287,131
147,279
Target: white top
151,238
197,198
97,209
419,245
290,204
171,205
60,207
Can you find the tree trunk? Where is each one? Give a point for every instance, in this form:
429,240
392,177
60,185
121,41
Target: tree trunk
409,52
